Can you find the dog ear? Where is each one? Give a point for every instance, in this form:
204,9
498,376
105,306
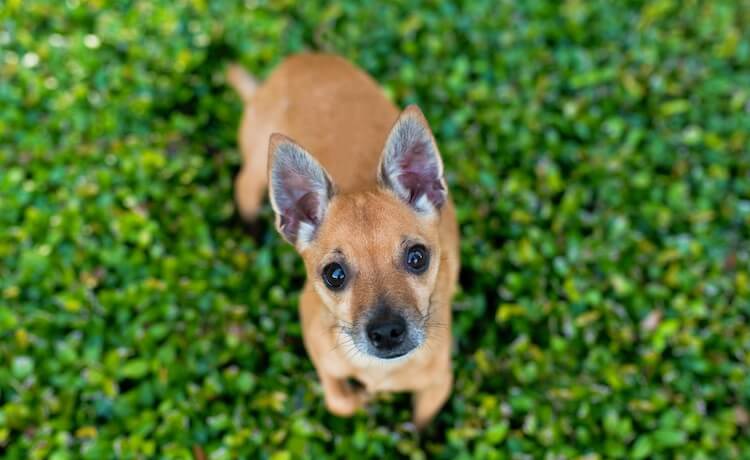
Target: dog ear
299,188
411,165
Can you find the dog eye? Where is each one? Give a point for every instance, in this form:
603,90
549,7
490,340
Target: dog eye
417,259
334,276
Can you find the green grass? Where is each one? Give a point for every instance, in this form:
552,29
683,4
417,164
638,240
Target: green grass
597,152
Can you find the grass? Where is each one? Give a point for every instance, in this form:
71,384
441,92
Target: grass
597,152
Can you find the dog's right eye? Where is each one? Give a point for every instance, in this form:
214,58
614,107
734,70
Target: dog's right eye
334,276
417,259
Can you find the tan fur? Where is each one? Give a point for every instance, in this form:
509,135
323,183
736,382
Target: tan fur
340,115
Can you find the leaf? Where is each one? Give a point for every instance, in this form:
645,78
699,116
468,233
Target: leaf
642,448
134,369
22,367
496,433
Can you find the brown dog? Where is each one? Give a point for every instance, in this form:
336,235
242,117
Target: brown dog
366,205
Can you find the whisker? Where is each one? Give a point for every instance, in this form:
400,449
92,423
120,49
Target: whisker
345,333
340,343
352,351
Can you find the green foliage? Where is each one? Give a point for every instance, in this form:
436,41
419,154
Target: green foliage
598,154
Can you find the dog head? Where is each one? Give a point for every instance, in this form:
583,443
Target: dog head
373,257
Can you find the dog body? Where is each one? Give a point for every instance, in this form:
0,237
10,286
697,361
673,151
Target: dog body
360,193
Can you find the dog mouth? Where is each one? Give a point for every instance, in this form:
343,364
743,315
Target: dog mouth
363,347
388,335
395,355
392,354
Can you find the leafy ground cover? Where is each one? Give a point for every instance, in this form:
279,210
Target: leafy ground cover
598,154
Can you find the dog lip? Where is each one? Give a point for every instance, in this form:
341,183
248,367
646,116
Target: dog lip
395,355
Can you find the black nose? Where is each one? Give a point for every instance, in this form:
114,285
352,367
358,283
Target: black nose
387,331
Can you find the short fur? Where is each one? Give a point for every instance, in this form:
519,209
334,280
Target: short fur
356,186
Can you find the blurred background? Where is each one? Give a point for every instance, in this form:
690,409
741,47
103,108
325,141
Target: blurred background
597,152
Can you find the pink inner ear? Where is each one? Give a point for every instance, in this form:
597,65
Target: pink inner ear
304,209
307,208
420,175
297,197
418,185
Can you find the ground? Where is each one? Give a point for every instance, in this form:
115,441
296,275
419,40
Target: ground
598,155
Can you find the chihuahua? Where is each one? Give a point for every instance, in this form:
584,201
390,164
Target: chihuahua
361,195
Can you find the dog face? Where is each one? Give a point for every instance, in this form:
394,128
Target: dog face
373,257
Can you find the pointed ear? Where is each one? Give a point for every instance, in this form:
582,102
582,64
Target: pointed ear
411,165
299,188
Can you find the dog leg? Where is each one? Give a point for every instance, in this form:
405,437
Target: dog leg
341,399
249,191
428,401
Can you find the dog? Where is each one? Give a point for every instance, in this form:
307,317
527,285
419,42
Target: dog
358,189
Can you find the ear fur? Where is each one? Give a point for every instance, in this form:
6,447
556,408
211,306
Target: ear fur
300,190
411,165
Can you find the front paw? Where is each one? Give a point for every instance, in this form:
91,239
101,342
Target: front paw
347,400
343,405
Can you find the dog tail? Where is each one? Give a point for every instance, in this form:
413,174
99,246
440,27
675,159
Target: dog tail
241,81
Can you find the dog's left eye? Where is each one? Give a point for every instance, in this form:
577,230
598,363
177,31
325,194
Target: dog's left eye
417,258
334,276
